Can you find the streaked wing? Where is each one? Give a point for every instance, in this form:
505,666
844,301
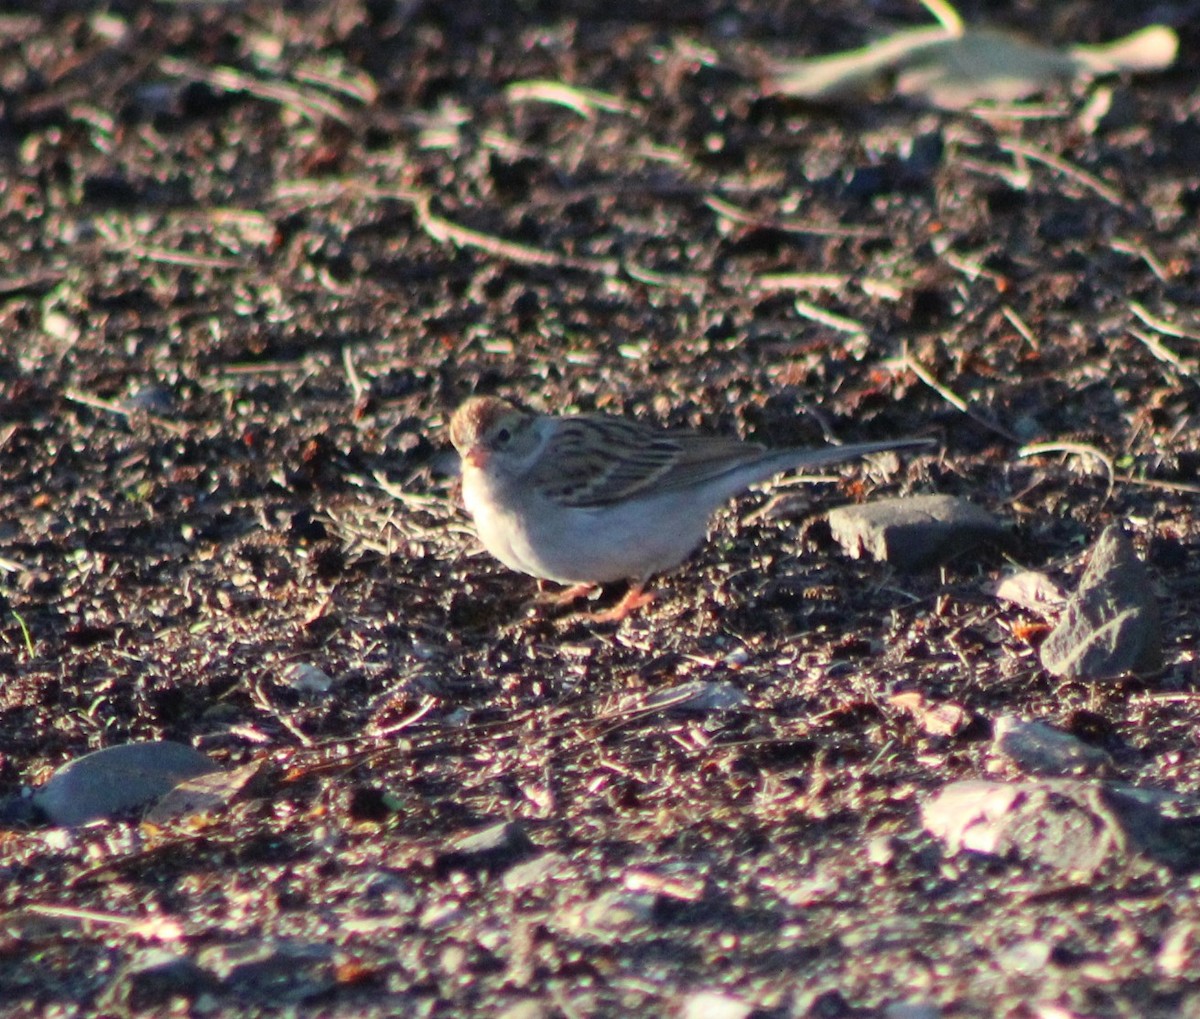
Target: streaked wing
705,457
594,460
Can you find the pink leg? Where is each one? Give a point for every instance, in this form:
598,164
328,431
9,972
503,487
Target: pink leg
635,598
556,599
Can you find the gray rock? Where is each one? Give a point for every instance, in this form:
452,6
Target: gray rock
204,794
912,1010
700,697
1074,826
1029,589
151,978
1026,957
535,872
153,399
1179,953
274,971
306,679
611,915
1041,749
914,533
495,848
1111,623
115,779
881,850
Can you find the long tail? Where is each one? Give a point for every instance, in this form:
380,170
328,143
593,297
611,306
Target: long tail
778,461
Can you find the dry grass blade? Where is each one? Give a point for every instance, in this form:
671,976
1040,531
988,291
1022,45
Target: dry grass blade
448,232
1079,449
412,499
583,101
908,363
172,256
736,214
1145,254
309,103
352,377
336,76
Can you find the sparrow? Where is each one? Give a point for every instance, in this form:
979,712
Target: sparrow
591,499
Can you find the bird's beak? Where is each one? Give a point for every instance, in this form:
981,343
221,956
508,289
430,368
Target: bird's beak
477,457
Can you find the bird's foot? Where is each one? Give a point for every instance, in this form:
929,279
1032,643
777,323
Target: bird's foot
635,598
557,599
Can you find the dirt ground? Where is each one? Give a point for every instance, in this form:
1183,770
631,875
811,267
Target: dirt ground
251,260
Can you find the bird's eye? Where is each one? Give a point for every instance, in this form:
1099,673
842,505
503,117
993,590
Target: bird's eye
503,436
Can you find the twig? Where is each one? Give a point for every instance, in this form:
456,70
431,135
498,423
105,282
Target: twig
1006,113
841,323
1185,487
112,407
1161,325
160,928
1016,177
1145,254
358,85
884,290
1020,326
1065,167
971,269
1161,351
356,384
907,363
667,280
807,281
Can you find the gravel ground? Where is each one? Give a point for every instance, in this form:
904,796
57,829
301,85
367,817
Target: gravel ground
251,260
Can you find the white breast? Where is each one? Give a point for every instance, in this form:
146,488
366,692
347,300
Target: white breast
574,545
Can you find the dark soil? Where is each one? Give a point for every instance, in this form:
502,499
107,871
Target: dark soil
252,259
